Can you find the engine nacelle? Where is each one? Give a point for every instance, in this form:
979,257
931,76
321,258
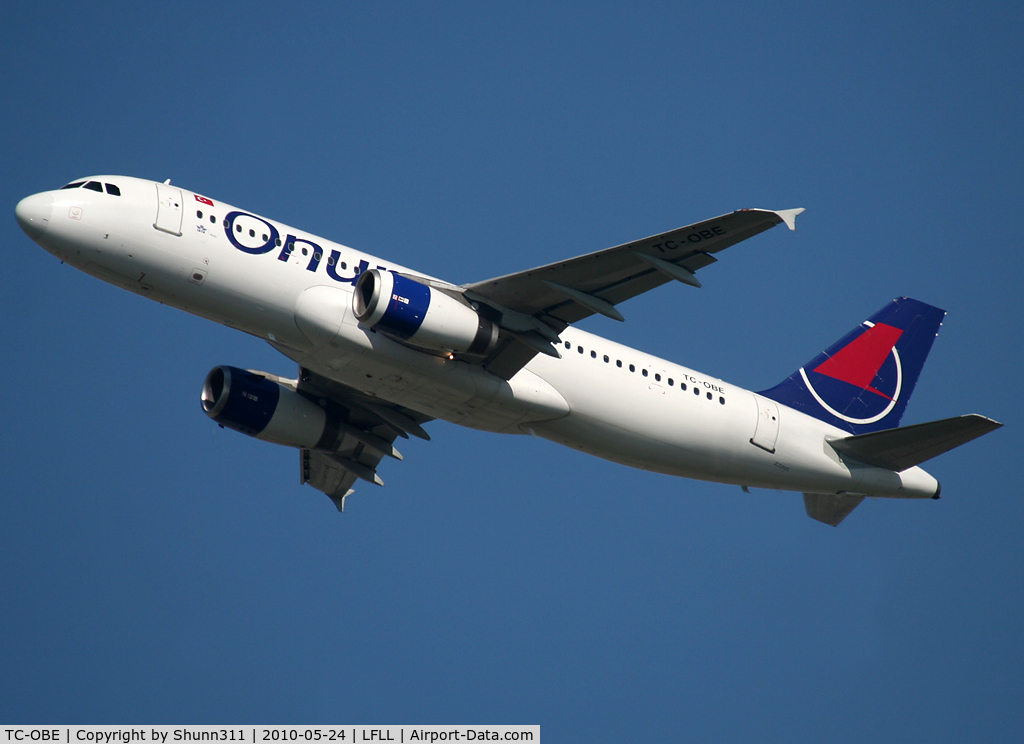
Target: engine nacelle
258,406
409,311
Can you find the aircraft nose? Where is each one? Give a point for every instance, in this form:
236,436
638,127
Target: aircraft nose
33,213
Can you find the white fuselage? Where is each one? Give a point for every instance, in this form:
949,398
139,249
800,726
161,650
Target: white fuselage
600,397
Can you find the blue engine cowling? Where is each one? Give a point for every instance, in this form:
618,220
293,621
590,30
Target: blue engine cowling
421,315
253,404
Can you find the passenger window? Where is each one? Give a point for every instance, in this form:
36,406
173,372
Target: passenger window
252,233
696,391
606,360
657,377
199,214
238,228
643,372
568,345
94,186
618,362
632,368
213,220
593,354
112,189
579,349
710,396
721,400
671,382
343,265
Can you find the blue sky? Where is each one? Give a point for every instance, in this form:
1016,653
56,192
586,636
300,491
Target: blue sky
155,568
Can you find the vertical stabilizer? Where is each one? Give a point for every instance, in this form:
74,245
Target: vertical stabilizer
831,508
862,383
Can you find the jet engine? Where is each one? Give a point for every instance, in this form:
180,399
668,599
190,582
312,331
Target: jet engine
256,405
420,315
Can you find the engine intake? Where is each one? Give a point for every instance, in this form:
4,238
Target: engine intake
260,407
423,316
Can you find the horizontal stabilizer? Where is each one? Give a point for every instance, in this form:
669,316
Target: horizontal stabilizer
831,508
899,449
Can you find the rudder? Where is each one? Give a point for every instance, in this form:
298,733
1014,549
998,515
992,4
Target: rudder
863,382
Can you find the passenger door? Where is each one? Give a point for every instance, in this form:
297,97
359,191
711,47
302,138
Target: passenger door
168,209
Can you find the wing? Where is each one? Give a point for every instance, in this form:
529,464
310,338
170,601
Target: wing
367,429
534,306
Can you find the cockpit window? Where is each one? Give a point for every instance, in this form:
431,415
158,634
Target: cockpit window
112,189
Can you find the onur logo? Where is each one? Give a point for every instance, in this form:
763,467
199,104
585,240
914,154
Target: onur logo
256,236
871,363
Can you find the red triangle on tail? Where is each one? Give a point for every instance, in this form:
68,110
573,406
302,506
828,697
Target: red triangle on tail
859,361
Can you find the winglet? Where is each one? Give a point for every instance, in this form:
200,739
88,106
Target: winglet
789,216
339,501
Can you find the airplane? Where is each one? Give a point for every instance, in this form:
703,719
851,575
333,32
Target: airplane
383,349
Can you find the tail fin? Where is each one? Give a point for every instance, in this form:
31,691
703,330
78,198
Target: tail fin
863,382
